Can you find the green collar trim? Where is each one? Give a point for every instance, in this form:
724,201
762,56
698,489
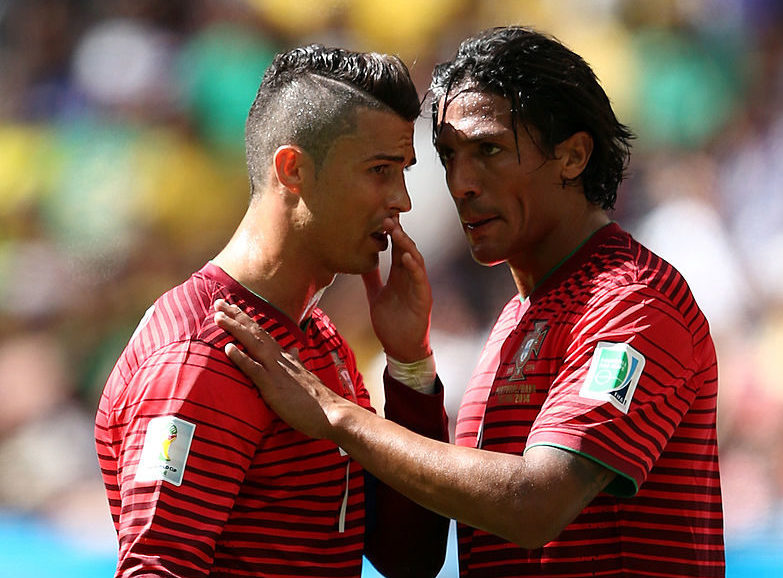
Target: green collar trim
564,259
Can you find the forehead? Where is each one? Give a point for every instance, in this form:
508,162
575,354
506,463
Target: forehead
473,113
378,134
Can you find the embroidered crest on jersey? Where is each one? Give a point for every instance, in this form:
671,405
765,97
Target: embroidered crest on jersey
165,451
614,374
344,375
530,347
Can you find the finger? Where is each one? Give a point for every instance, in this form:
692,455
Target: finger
234,312
254,370
397,238
229,315
415,268
419,282
372,283
402,244
226,307
252,336
232,318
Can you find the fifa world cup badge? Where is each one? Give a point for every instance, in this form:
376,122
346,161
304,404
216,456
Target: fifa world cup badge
613,375
165,451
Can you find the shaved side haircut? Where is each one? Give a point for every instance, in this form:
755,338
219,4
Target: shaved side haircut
308,98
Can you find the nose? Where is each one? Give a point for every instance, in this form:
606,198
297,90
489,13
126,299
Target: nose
399,200
462,178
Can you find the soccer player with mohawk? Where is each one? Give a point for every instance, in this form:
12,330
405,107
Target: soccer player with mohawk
203,479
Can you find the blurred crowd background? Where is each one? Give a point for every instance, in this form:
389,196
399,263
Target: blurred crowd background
122,171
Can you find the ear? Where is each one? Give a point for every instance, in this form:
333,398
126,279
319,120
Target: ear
574,153
292,166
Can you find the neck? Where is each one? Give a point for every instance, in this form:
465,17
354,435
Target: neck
554,250
266,264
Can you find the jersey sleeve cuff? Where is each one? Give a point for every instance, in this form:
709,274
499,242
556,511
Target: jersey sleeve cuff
419,375
629,476
419,412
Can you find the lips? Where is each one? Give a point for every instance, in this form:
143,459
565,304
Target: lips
473,224
382,239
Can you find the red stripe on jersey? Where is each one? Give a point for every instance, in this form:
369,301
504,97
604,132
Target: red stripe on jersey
257,498
526,391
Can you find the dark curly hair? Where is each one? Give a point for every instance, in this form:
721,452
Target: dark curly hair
308,97
551,89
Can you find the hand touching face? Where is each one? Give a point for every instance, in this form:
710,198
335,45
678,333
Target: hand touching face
360,184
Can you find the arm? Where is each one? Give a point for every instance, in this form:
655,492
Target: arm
171,526
525,499
404,539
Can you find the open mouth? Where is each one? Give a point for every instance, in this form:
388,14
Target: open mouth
382,239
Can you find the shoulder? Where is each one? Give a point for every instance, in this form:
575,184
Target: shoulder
623,292
633,277
624,262
183,312
177,338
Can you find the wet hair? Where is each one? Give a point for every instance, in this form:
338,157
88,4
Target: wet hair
553,94
309,96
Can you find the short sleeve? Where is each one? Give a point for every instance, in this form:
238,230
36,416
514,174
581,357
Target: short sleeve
624,386
190,433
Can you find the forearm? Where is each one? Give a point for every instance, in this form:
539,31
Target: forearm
527,499
479,488
402,538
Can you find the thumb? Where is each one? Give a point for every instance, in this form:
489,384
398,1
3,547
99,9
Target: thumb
372,283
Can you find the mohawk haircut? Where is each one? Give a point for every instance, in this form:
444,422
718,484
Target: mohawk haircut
308,97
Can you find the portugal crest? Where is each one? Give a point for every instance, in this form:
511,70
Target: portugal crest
530,347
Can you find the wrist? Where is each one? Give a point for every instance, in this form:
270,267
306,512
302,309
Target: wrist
348,425
419,375
339,418
407,356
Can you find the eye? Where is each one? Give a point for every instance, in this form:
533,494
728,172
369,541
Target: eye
380,169
489,149
445,154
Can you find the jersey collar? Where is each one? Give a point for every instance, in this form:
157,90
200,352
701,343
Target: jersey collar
575,259
213,271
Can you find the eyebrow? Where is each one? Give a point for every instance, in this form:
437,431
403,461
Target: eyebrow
474,137
399,159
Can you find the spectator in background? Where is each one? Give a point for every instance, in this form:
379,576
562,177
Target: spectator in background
202,477
586,440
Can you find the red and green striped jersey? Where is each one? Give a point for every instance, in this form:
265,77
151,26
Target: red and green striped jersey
610,358
202,478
